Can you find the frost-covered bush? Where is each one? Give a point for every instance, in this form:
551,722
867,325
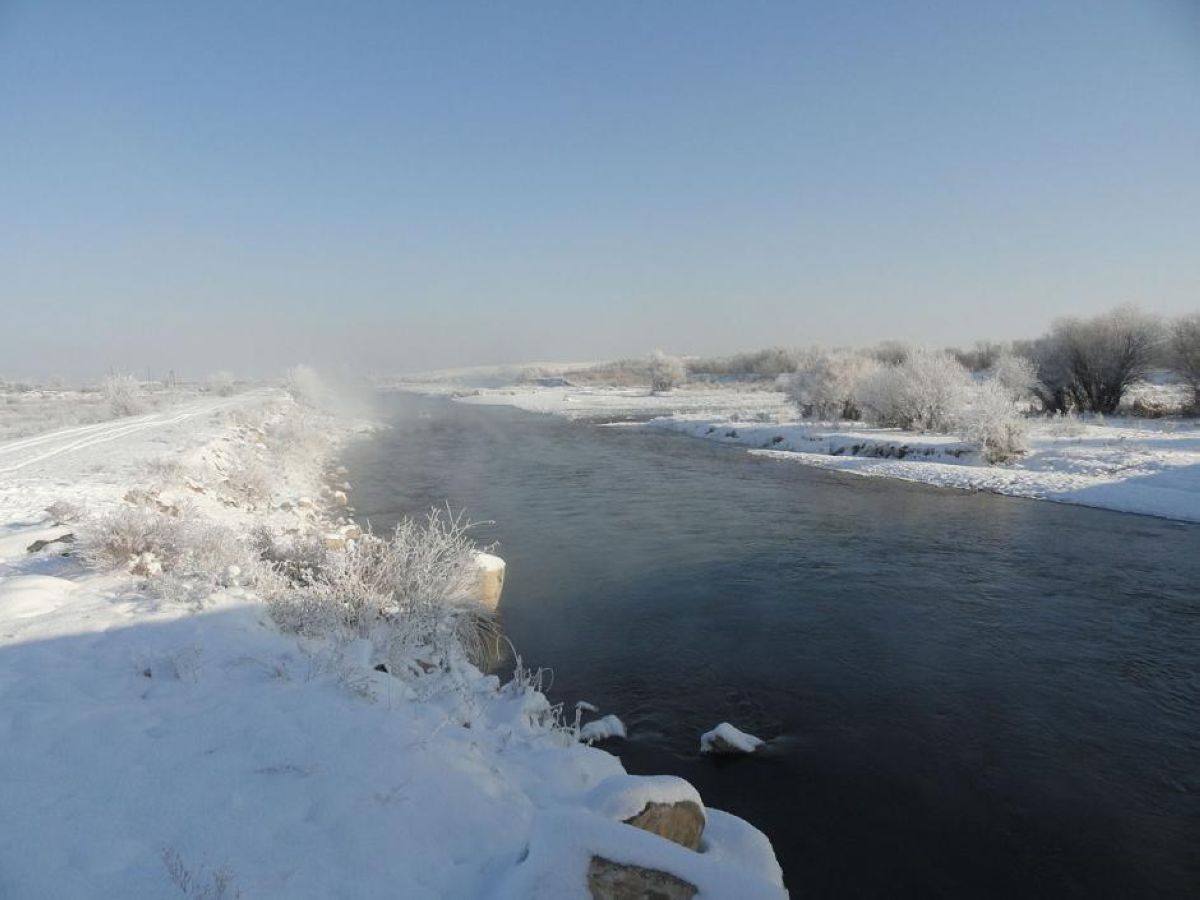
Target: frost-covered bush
187,557
827,384
891,353
991,419
1089,364
1016,375
1184,354
666,372
124,395
139,539
297,559
924,392
221,383
64,512
249,480
413,595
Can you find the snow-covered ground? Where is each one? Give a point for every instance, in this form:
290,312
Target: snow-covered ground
36,410
1147,466
1142,466
152,747
622,403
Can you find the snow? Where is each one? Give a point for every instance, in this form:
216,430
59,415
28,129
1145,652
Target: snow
727,739
622,797
564,841
1151,467
144,737
613,403
602,729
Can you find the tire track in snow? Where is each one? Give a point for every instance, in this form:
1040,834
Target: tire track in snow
112,431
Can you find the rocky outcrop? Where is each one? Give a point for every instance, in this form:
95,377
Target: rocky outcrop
608,880
681,822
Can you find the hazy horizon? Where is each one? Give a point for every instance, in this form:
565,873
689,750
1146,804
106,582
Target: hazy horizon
399,188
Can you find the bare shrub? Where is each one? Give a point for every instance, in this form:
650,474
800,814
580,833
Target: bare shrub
124,395
200,884
412,595
983,357
1184,354
1088,364
923,392
769,363
827,384
666,372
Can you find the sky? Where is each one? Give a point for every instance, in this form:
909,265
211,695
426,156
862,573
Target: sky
399,186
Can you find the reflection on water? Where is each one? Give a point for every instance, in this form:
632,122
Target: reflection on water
965,695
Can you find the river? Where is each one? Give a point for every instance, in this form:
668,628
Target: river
963,694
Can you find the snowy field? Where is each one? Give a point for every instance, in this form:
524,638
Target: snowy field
35,410
162,746
1147,466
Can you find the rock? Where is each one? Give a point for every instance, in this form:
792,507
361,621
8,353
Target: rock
608,880
352,532
664,805
681,822
726,739
38,546
340,498
335,542
491,579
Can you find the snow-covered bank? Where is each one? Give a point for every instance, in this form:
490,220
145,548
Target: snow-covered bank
616,403
1146,466
161,744
1129,465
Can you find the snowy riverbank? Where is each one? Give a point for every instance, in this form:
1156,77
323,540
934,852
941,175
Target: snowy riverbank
1146,466
182,745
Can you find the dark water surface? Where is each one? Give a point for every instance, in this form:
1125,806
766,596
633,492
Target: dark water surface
965,695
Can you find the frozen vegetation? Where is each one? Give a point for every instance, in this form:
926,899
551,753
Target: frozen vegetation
214,684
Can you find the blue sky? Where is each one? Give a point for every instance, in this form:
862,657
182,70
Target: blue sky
396,186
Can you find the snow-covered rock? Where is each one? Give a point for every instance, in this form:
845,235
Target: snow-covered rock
729,740
602,729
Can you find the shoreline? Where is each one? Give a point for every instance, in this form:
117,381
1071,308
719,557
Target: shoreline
303,767
1140,466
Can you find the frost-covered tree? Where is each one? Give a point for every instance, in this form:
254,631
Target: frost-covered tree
827,383
666,372
1088,364
891,353
1184,353
923,392
124,394
1017,375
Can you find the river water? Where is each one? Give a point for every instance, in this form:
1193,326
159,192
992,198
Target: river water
965,695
